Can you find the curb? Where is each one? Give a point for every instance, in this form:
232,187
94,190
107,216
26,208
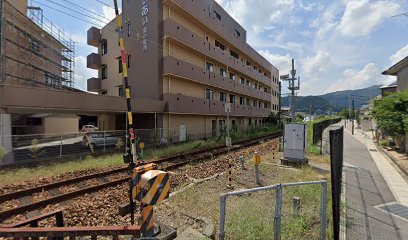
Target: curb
382,150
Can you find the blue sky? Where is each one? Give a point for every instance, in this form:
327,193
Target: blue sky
337,44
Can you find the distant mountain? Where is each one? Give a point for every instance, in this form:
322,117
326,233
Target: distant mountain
336,101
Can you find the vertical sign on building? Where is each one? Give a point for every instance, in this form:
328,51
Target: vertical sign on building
145,12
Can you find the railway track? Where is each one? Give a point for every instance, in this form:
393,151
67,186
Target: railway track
167,164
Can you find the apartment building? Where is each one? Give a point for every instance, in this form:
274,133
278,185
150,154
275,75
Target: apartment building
193,56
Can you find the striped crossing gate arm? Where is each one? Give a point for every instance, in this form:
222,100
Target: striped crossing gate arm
131,155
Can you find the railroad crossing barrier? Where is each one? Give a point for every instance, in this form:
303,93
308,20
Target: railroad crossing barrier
151,186
278,205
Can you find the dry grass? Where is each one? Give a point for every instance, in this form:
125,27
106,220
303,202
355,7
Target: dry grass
251,216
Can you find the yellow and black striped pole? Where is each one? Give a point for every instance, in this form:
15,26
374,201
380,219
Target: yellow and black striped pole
273,152
130,156
230,173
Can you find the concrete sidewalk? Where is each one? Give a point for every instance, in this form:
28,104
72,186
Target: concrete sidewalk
372,185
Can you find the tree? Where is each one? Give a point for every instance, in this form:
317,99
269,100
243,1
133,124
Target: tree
391,114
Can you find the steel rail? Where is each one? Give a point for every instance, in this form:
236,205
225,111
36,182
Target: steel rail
194,156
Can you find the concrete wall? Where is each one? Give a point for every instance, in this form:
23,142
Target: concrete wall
114,80
61,124
402,79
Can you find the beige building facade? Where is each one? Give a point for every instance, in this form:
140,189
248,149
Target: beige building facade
193,56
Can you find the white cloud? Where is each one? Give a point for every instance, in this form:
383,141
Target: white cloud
316,64
282,62
353,79
399,55
361,17
82,73
108,12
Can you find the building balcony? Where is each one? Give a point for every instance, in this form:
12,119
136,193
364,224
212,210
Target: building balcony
241,110
260,112
94,84
179,68
184,104
93,61
94,36
225,29
186,37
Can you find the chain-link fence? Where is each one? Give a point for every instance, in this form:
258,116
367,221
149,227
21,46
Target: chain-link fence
43,147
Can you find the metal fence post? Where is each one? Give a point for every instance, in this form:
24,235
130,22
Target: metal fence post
278,212
60,154
323,222
336,167
223,203
104,141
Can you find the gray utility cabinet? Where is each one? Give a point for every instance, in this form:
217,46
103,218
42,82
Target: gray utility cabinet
295,141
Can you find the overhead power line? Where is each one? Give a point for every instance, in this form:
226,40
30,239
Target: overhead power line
85,9
73,10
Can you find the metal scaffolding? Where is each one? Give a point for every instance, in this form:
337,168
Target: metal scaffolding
34,51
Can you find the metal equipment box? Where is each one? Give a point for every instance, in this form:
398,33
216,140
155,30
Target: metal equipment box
295,142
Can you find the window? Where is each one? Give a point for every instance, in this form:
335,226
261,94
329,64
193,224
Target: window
247,101
104,72
120,65
256,86
266,105
259,104
210,67
255,103
52,80
233,76
129,58
217,15
34,45
248,83
234,124
129,30
242,80
221,125
104,48
219,45
223,97
237,33
232,98
248,63
121,92
223,72
241,100
209,93
234,54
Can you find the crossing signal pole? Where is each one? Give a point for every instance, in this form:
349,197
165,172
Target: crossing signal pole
292,87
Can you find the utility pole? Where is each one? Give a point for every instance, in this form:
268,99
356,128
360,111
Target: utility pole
292,100
345,117
310,112
352,123
292,87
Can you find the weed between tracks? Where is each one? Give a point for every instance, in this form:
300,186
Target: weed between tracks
251,216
